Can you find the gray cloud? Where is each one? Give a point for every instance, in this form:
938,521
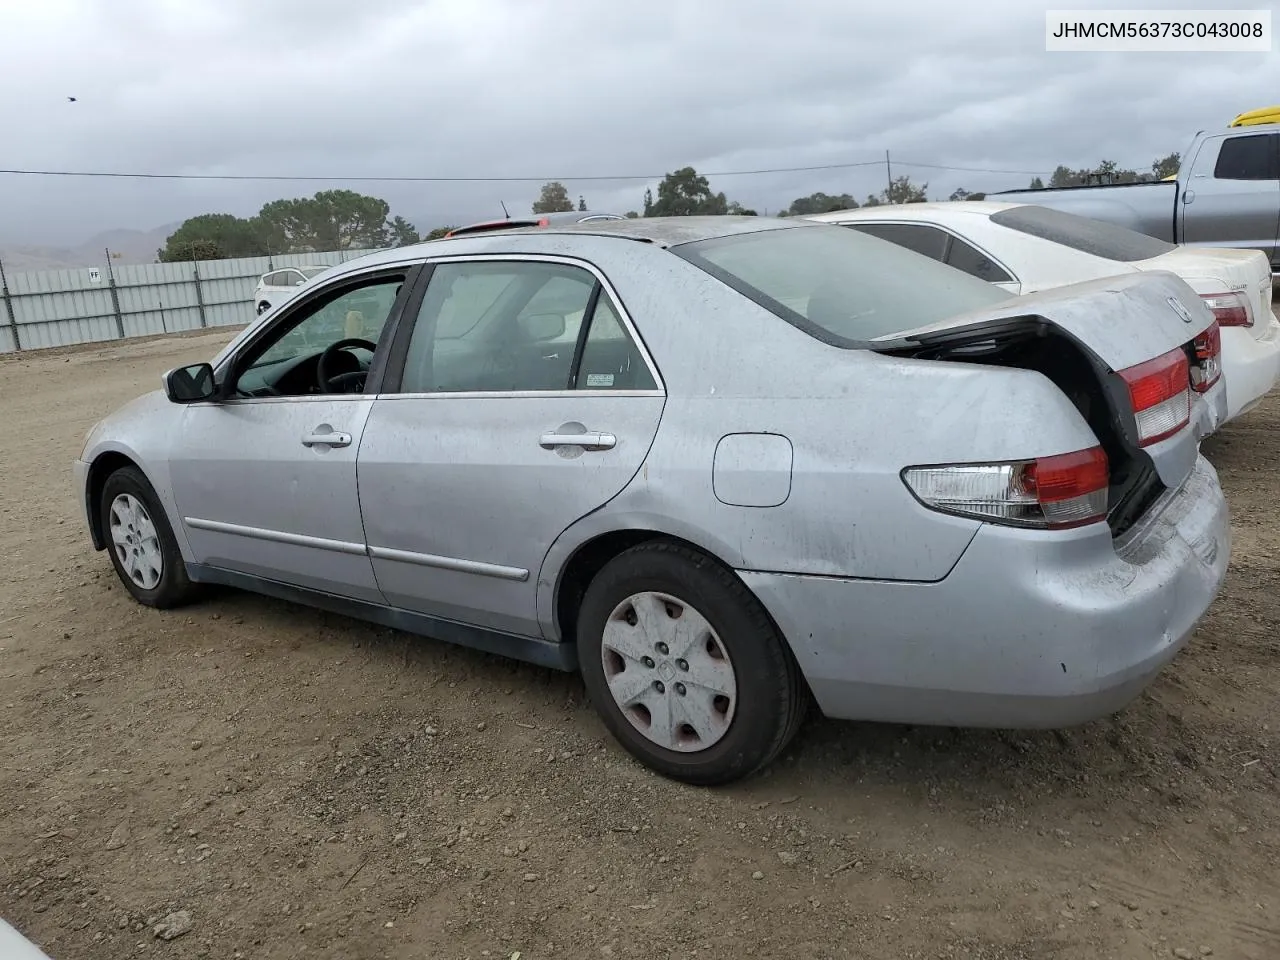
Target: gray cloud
561,88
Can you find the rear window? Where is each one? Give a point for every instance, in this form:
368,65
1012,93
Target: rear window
1094,237
840,286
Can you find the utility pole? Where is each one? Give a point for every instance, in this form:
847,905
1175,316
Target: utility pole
888,172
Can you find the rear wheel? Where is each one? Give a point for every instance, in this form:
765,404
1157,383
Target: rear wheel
143,548
685,667
263,307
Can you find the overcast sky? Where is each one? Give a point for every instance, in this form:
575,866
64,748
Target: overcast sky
564,88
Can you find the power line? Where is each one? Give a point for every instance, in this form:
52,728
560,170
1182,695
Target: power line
110,174
938,166
377,179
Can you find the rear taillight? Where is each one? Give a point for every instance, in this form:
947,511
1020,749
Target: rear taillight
1067,490
1230,309
1207,369
1160,391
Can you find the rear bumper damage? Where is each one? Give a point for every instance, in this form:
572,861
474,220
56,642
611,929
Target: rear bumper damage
1030,629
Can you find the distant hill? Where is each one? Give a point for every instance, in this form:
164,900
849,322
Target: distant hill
129,246
140,246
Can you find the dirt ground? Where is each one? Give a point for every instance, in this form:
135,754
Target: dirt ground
303,785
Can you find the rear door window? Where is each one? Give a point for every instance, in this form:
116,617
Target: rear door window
1248,158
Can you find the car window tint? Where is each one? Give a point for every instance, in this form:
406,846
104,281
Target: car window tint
275,279
966,257
839,285
497,326
1247,158
1106,240
610,358
919,237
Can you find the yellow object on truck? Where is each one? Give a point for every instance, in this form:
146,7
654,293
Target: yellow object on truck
1259,116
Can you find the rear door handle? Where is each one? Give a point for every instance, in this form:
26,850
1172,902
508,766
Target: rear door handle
329,439
588,441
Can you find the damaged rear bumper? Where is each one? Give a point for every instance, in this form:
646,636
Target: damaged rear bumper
1030,629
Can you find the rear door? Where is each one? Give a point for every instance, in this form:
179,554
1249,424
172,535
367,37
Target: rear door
518,399
1232,196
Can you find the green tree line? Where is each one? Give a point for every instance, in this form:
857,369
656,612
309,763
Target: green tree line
330,220
346,220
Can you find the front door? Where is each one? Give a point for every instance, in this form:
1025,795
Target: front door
265,481
511,419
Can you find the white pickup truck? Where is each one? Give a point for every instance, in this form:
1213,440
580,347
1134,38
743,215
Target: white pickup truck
1227,194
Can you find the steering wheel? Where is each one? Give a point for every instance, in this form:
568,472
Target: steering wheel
350,382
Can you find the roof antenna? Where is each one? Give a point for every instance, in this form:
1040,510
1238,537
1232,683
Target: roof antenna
504,210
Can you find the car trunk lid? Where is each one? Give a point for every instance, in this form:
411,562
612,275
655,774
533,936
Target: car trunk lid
1210,269
1105,343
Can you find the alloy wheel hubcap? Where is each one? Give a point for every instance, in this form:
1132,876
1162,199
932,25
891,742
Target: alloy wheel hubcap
668,672
134,538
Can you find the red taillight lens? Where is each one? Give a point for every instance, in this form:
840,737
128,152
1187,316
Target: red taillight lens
1207,369
1058,492
1160,392
1230,309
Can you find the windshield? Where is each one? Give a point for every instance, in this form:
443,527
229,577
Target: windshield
1104,240
838,285
310,272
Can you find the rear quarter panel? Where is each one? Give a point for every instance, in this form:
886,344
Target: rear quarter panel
854,420
852,431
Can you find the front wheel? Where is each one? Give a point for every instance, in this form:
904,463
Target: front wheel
685,667
143,548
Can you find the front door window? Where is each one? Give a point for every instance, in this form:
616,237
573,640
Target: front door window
325,347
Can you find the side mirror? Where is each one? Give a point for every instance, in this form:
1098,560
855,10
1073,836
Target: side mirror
300,283
191,384
543,326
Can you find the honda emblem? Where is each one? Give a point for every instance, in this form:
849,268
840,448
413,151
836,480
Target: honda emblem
1180,310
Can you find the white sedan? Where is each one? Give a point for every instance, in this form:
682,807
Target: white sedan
277,286
1024,248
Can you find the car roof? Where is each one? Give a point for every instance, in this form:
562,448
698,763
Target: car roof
533,220
665,231
983,208
658,231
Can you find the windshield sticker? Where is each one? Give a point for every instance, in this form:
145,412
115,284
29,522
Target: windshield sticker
599,379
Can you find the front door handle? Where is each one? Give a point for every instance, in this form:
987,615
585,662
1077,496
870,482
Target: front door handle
329,439
588,441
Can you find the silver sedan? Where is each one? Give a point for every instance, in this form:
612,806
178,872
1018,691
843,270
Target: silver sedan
724,466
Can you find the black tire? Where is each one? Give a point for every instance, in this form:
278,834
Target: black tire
263,308
771,696
173,588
